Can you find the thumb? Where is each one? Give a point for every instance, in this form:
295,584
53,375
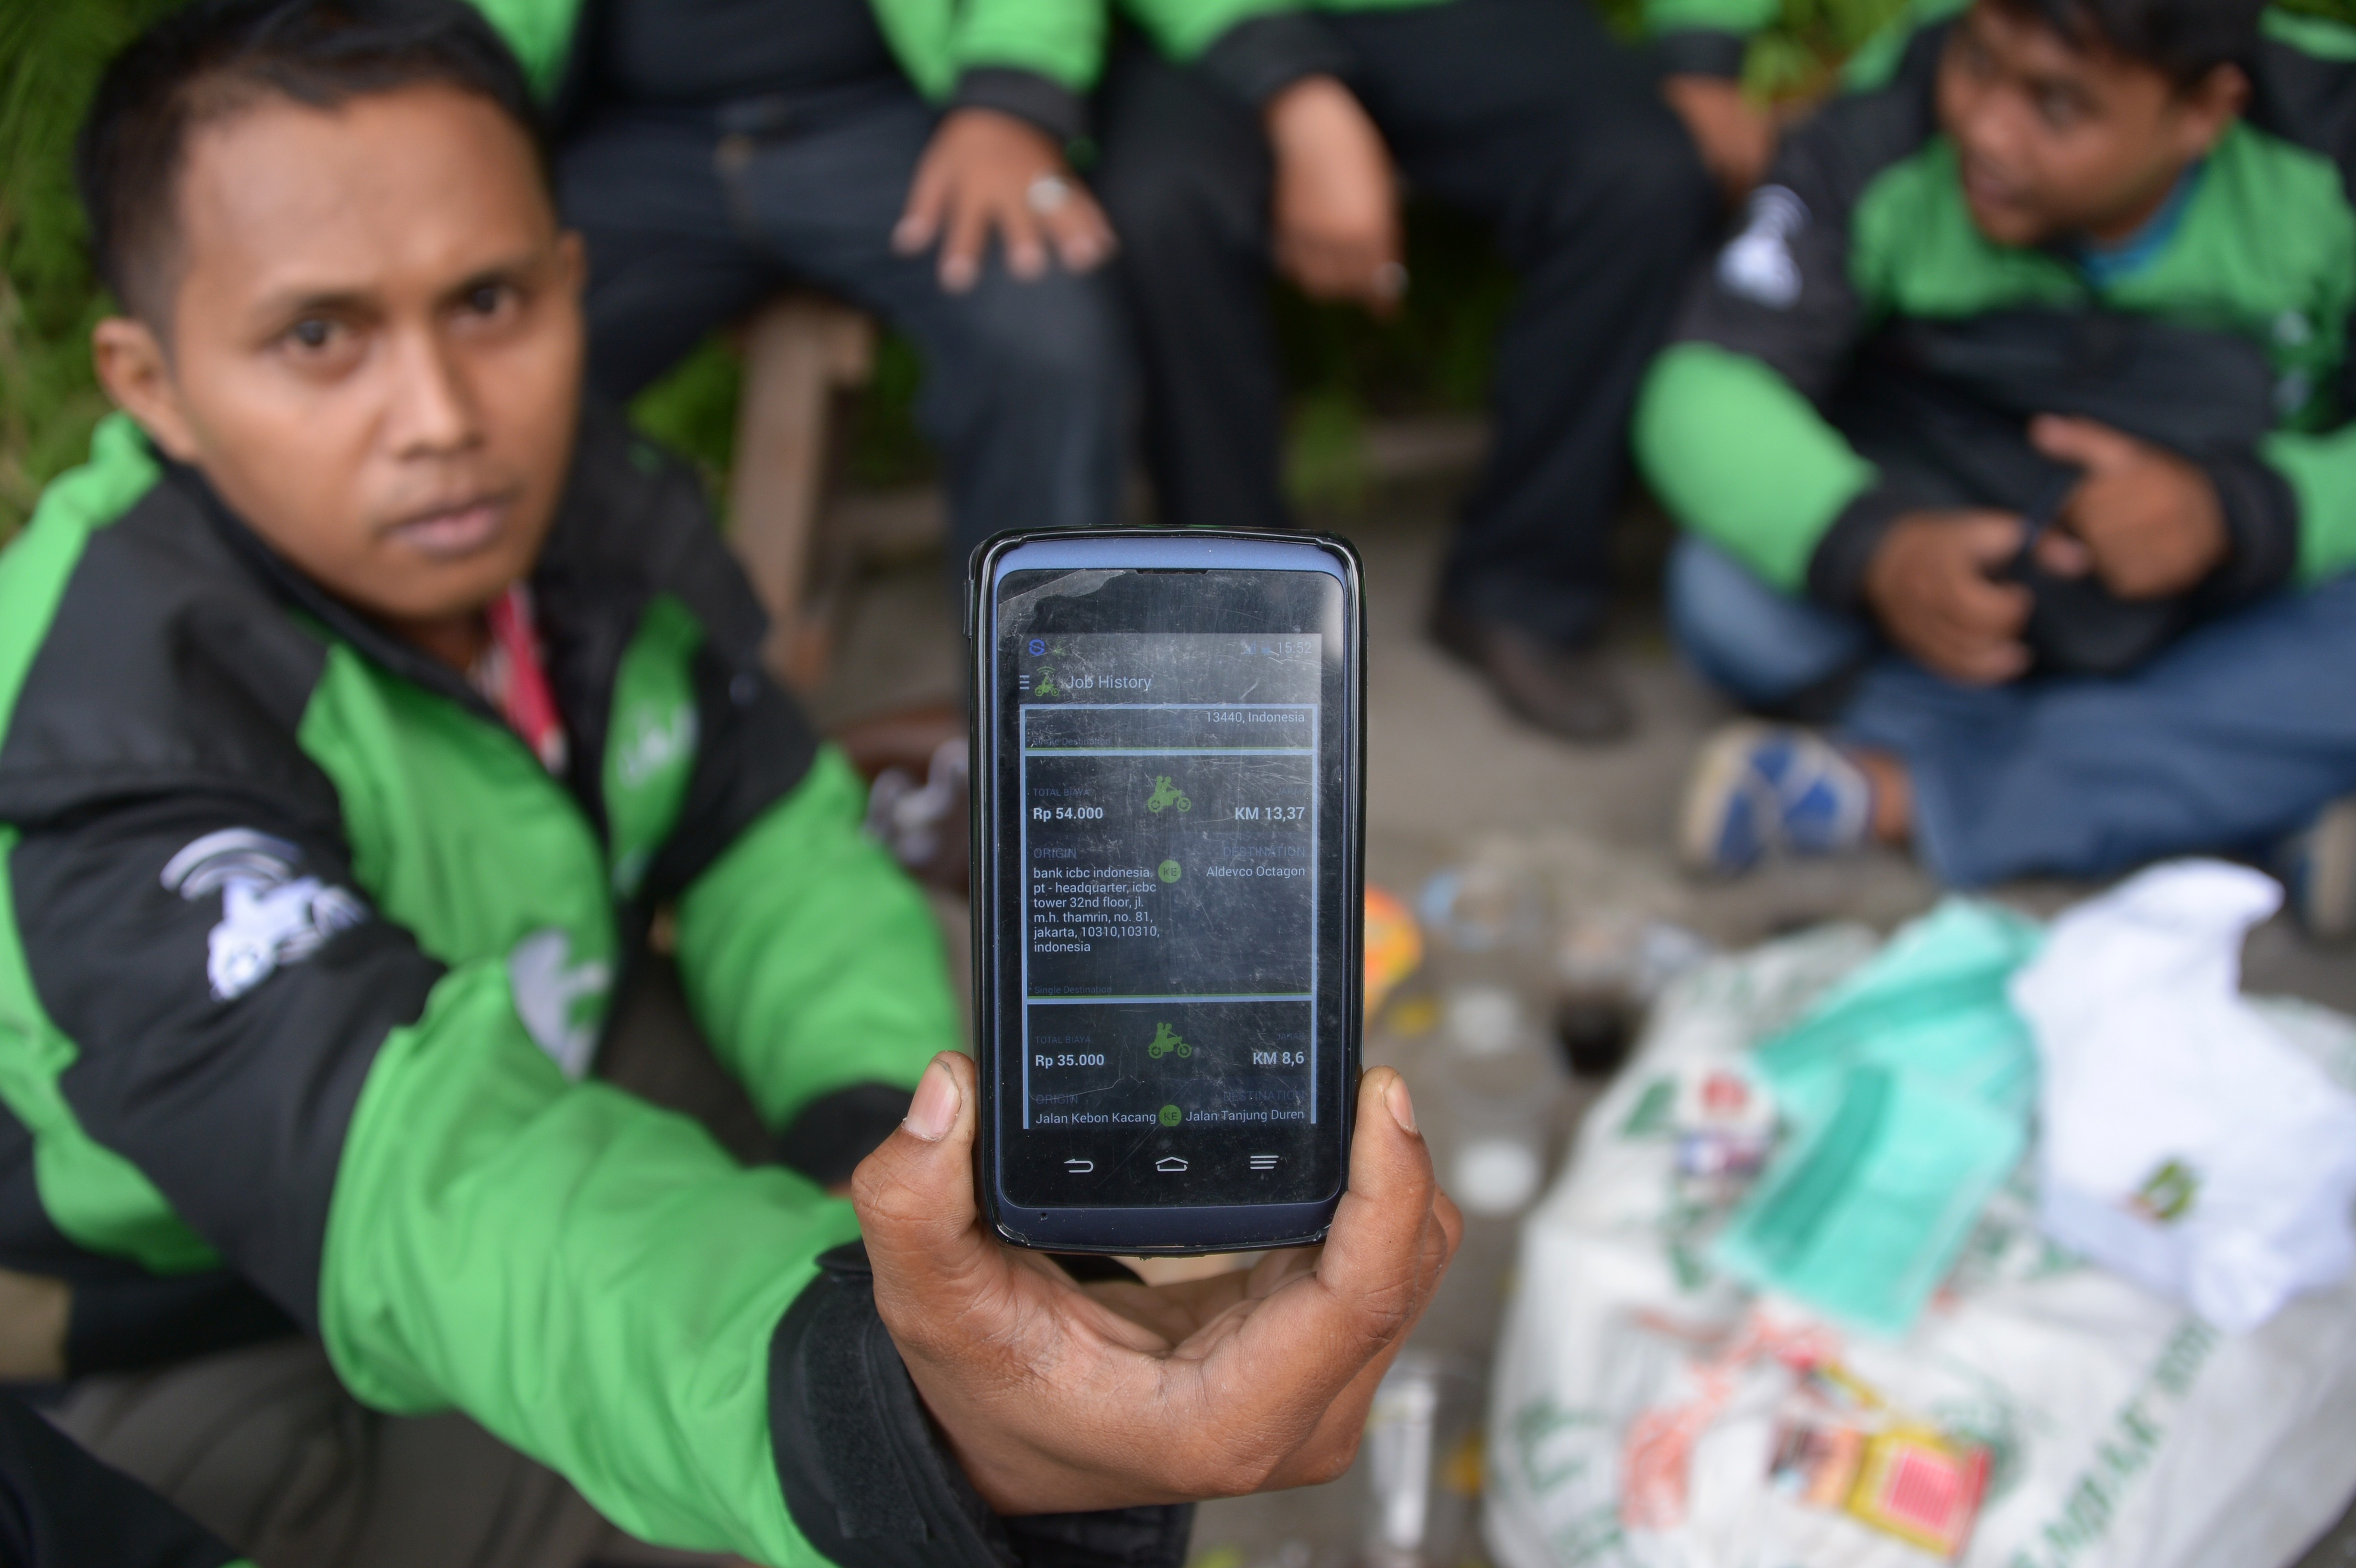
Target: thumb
2089,443
1395,1231
915,1193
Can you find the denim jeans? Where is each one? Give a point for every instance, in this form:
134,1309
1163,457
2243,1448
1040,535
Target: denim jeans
2235,734
1025,387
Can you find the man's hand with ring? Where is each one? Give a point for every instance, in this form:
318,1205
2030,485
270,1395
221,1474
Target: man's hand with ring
1057,1397
987,171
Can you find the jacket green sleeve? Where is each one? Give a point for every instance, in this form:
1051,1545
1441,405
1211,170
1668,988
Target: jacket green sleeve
1740,457
1029,57
2321,469
592,1279
1730,428
811,960
1252,48
1062,40
375,1139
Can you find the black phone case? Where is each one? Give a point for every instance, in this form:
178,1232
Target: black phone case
1161,1231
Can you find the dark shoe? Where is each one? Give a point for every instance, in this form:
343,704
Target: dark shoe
1569,692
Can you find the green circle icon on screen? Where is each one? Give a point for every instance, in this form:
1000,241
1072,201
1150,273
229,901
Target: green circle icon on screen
1171,1116
1170,871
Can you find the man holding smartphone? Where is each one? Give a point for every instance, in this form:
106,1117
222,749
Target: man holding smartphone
363,700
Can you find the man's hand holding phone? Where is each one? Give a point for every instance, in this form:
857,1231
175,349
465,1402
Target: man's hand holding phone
1058,1397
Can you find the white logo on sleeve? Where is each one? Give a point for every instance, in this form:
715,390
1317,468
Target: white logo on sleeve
1757,264
548,987
270,917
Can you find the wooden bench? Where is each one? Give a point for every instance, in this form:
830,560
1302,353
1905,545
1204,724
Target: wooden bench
804,354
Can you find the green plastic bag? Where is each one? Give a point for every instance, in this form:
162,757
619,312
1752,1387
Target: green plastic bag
1906,1093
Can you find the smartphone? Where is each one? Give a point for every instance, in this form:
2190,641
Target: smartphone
1169,789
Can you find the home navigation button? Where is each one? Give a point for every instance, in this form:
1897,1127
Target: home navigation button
1170,1162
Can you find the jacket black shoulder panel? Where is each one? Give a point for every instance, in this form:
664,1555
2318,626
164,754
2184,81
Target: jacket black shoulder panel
227,991
2309,102
634,525
1781,290
167,667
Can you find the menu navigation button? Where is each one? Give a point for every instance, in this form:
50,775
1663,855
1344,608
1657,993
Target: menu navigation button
1263,1162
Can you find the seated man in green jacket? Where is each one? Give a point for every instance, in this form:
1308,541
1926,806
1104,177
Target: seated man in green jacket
2012,434
362,703
1252,131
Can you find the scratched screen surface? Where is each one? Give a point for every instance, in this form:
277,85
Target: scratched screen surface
1169,785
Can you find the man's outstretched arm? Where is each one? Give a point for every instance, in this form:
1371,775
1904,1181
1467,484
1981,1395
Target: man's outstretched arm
373,1138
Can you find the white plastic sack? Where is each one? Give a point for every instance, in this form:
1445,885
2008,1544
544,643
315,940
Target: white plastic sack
2186,1144
1634,1400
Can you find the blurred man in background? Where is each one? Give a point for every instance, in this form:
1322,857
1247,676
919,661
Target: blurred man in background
2012,432
1249,131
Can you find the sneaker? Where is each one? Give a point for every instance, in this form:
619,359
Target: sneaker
2318,868
1762,789
1568,692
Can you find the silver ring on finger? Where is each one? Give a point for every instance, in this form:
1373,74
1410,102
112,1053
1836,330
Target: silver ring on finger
1047,194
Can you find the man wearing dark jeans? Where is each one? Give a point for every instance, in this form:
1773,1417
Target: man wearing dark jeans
1243,131
713,150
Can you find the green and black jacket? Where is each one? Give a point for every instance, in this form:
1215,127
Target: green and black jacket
303,955
1859,255
1035,59
1255,47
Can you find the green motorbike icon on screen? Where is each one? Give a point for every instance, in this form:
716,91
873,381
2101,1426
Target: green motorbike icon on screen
1165,1041
1166,793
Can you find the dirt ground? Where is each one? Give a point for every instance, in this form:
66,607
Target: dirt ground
1448,772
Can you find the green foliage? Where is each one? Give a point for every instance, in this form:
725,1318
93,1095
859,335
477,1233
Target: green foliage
51,57
1797,57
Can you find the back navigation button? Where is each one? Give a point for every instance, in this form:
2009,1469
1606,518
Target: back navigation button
1079,1167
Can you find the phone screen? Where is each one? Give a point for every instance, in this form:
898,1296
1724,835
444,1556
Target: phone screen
1173,851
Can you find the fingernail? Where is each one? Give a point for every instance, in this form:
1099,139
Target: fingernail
1402,1106
958,274
934,1110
